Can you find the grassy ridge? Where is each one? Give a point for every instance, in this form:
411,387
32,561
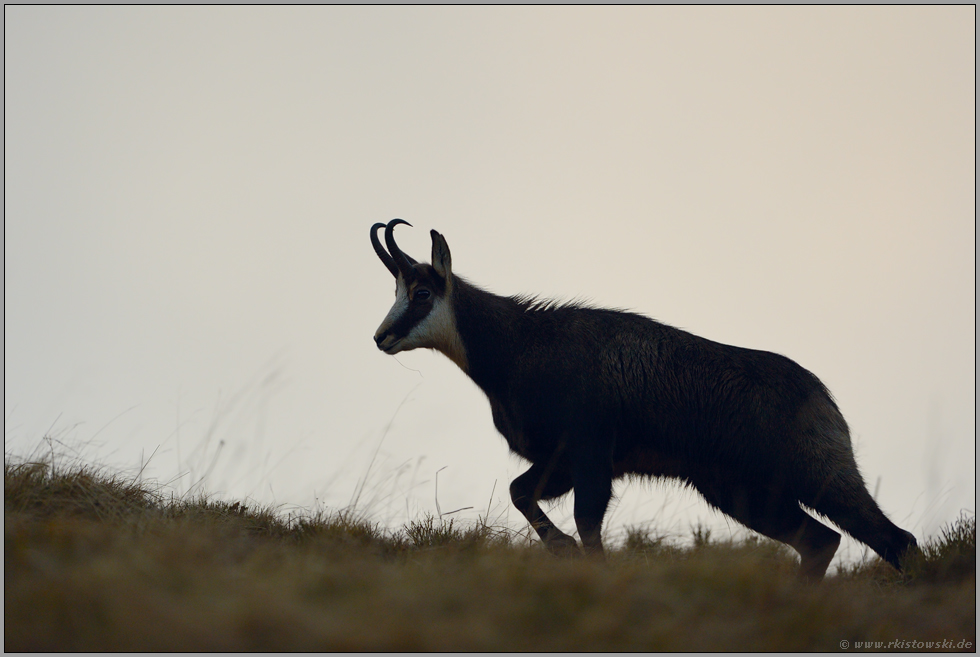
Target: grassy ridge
96,562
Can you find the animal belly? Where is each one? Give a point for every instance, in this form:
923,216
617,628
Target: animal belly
649,463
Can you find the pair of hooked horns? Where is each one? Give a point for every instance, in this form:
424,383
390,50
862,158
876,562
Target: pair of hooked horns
397,261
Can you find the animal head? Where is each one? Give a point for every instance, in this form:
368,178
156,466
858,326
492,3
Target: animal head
422,315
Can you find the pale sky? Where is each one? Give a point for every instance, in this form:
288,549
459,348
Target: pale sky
188,193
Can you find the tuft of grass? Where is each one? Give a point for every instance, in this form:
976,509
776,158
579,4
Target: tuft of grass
32,488
94,562
701,536
426,533
430,532
951,556
640,542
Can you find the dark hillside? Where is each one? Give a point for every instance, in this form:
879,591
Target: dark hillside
94,562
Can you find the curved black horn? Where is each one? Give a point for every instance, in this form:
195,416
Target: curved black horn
380,250
402,261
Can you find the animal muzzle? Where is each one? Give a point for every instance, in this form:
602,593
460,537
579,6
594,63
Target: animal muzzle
386,340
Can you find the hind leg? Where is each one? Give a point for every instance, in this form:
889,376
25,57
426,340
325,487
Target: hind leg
824,476
856,512
780,517
816,543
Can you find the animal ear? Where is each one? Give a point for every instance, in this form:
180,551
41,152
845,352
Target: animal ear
442,261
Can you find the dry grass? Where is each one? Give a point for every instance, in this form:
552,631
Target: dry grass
95,562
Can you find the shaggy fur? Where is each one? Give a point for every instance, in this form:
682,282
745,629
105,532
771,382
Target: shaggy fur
588,395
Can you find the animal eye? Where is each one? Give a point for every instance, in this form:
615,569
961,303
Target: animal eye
421,294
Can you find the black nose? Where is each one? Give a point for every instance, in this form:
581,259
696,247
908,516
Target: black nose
379,338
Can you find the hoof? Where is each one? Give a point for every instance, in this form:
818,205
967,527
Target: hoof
563,546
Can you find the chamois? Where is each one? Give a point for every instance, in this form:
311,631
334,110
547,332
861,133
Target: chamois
588,395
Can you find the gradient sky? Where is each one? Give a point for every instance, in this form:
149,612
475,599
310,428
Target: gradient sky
188,193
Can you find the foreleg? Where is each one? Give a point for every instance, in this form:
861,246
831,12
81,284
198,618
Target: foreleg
592,480
543,482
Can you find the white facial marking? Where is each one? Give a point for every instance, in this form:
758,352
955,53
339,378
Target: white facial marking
437,330
397,310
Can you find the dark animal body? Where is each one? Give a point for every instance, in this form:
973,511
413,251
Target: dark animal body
587,395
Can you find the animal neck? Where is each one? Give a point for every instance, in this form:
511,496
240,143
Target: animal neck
452,345
488,327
